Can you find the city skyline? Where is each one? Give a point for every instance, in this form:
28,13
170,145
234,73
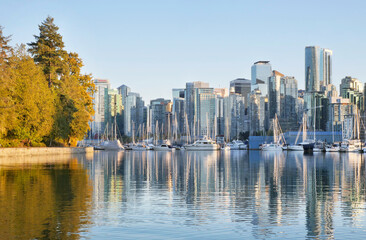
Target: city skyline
154,47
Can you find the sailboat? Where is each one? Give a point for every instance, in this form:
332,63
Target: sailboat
297,147
307,144
277,138
334,147
354,144
113,144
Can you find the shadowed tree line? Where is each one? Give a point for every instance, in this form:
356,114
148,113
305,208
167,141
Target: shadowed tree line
44,97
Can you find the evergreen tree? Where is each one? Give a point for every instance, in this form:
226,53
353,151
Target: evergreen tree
48,50
74,90
7,85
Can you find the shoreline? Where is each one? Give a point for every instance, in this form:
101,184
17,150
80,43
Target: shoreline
37,151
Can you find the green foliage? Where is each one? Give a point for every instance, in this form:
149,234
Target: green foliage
44,98
74,106
48,50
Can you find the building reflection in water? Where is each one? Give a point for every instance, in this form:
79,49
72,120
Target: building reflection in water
266,194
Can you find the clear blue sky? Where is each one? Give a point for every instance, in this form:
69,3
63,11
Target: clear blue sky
154,46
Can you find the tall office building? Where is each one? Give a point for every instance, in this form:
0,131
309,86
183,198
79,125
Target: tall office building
318,68
191,98
237,115
352,89
288,103
206,106
134,114
123,90
318,74
113,106
242,86
97,125
261,71
274,94
159,109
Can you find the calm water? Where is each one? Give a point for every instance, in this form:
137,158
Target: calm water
194,195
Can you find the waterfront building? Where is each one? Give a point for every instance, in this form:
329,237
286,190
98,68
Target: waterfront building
318,68
191,108
242,86
260,72
237,115
288,103
123,90
160,110
221,115
352,88
112,105
178,115
97,124
178,93
282,97
274,94
300,108
206,106
318,74
256,112
178,110
221,112
135,114
339,109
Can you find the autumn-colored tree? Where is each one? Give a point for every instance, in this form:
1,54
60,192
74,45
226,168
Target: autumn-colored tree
7,85
74,106
34,100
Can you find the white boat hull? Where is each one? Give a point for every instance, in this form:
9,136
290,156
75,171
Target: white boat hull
114,145
166,149
139,149
317,149
209,147
295,148
272,147
332,149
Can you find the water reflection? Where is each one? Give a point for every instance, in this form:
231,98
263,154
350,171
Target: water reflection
263,194
150,194
43,198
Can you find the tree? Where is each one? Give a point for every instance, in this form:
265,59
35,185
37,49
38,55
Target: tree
74,106
48,50
7,85
34,101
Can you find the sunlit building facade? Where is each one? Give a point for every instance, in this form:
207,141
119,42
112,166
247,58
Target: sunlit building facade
97,125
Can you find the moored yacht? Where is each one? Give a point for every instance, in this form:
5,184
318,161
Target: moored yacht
271,147
113,145
203,145
278,138
236,145
295,147
332,148
163,147
139,147
354,145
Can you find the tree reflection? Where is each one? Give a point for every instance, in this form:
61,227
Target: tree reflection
44,200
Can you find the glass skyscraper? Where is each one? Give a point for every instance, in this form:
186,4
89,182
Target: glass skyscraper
318,74
261,71
318,68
